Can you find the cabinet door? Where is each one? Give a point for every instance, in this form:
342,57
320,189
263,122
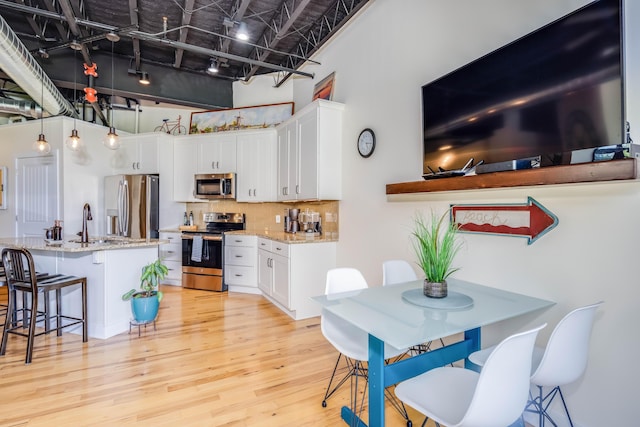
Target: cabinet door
287,161
307,167
147,153
184,161
256,165
217,154
265,273
124,158
280,285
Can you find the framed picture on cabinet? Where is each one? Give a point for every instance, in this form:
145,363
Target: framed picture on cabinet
255,117
324,88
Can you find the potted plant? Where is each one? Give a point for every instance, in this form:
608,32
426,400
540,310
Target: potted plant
145,302
435,243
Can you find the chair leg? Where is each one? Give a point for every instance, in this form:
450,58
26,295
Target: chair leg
32,327
85,329
8,320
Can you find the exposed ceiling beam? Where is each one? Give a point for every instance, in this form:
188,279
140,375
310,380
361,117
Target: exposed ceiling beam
280,26
186,20
133,13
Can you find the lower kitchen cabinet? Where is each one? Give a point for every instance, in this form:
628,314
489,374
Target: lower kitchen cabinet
171,254
240,263
290,274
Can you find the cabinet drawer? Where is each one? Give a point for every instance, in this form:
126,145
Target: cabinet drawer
240,275
240,255
232,240
280,248
171,252
175,270
264,244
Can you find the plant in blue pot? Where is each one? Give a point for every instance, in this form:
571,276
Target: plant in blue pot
145,302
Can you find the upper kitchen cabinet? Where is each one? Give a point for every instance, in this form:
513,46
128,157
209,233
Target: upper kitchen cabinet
309,153
196,154
185,160
256,180
138,154
217,153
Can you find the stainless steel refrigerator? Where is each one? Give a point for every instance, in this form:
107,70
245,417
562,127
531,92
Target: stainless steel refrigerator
131,206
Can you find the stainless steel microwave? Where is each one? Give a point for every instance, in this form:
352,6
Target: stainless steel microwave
215,186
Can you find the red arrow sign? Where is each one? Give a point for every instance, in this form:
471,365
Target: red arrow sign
531,219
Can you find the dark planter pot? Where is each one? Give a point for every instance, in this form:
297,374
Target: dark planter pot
435,289
144,309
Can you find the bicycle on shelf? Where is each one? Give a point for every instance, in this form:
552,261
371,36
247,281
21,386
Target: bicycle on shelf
172,127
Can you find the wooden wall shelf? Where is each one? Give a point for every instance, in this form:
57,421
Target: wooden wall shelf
584,172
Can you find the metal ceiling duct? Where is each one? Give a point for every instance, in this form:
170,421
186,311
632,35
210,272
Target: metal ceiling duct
22,68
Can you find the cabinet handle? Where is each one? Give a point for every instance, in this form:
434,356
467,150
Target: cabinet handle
238,256
297,189
278,249
254,192
213,165
137,165
170,252
217,165
238,275
133,165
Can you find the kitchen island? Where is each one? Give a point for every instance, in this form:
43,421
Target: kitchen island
111,265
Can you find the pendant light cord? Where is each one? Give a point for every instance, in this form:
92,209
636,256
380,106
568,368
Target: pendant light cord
75,74
112,72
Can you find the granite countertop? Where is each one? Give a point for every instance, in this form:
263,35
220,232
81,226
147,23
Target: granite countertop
74,245
281,236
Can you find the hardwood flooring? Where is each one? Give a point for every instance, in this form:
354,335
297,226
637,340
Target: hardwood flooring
216,359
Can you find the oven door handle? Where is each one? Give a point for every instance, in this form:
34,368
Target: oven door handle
204,237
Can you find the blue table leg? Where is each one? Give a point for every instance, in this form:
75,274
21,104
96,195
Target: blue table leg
474,336
376,382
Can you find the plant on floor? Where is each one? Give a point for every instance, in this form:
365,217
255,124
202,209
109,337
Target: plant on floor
436,245
145,302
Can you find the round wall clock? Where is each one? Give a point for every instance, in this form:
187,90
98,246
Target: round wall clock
366,143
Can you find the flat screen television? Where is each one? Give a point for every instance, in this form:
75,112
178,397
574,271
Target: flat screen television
553,93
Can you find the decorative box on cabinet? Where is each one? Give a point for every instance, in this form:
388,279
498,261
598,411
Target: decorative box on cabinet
240,263
171,254
309,153
290,274
256,181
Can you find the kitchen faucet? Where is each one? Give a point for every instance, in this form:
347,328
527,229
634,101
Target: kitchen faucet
86,216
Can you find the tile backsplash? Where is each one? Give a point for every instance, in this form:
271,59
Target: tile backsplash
262,216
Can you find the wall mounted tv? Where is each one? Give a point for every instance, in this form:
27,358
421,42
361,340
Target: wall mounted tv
555,93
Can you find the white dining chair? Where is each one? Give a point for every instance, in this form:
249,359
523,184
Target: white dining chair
351,342
459,397
396,271
561,362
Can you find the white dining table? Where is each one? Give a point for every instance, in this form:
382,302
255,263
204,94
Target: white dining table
395,315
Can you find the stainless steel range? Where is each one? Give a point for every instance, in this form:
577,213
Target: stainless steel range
203,251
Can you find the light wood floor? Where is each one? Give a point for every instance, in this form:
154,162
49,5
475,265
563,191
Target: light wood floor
216,359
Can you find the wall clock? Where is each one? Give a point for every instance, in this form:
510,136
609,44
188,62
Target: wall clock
366,143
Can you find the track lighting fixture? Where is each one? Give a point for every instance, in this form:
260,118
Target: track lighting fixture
243,32
144,78
213,66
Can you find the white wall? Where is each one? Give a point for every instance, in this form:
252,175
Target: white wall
381,60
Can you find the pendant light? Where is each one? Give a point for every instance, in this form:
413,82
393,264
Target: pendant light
112,140
73,141
41,145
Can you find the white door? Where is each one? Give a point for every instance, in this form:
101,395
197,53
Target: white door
37,198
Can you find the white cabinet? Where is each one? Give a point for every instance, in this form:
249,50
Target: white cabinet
171,254
216,153
256,156
309,153
273,271
241,263
290,274
138,154
185,154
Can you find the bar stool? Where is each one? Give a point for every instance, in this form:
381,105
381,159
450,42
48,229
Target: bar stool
21,276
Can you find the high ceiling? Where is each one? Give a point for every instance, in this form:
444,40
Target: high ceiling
174,41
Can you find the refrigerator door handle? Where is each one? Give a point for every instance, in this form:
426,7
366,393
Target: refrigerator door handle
120,209
126,209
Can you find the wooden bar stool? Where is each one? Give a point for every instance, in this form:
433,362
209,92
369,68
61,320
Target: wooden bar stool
21,276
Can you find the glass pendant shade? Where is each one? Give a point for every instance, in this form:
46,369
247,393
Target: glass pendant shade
73,141
112,140
41,145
